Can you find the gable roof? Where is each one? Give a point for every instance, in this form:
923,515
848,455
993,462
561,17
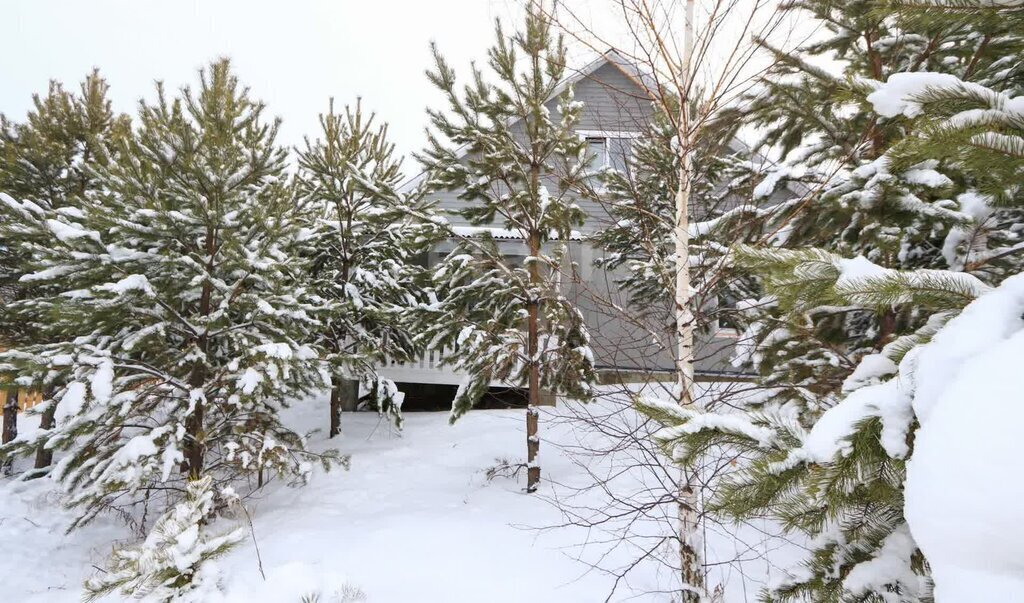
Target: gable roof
611,57
646,83
643,81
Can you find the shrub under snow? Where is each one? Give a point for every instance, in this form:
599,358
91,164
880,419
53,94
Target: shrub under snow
174,562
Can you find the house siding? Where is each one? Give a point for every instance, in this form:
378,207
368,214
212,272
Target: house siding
612,101
613,104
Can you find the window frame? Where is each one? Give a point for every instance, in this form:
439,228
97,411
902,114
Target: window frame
607,136
603,159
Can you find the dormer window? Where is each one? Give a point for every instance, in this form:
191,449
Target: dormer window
607,149
597,153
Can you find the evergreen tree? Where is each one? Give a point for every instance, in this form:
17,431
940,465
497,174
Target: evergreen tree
363,239
173,559
50,157
169,308
856,273
522,163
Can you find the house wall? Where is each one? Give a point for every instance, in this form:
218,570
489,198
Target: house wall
26,398
615,106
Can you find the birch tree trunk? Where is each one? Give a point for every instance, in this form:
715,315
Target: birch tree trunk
533,304
689,529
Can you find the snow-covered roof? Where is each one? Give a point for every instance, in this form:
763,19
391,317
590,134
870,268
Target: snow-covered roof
502,233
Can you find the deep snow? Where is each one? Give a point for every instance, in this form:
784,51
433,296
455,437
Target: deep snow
963,488
415,519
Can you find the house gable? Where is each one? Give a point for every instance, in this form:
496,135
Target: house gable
613,101
616,108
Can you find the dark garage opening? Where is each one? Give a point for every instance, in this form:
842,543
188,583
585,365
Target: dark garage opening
421,397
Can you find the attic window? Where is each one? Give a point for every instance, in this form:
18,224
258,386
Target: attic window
597,151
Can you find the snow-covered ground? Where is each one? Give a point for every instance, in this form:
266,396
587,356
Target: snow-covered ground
415,519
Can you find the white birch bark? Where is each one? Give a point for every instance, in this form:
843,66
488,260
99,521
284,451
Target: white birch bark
689,529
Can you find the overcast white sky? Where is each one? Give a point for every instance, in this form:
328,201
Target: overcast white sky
294,54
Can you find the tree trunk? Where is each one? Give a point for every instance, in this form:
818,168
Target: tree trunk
44,455
335,410
692,571
344,397
194,448
533,401
194,445
10,425
532,327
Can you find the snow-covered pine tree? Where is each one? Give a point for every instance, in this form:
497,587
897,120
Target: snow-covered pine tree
173,563
831,327
971,124
955,384
363,239
170,309
49,157
516,165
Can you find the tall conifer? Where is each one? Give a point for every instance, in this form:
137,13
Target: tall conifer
51,157
365,240
520,165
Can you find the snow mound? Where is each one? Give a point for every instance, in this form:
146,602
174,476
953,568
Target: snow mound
964,482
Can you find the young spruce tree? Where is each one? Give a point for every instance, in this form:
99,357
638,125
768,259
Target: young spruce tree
516,163
638,243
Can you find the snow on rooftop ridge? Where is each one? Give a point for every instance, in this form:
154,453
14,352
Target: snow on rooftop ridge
504,233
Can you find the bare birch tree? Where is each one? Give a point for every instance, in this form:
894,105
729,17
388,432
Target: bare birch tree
698,60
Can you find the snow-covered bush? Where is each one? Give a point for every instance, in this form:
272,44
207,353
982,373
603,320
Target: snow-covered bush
965,387
175,561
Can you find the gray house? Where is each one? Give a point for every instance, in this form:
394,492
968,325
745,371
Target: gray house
616,111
